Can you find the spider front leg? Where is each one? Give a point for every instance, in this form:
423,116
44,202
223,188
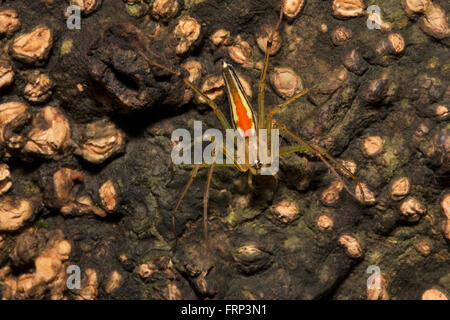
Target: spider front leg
262,80
193,174
288,102
304,145
219,114
281,106
183,194
323,156
205,205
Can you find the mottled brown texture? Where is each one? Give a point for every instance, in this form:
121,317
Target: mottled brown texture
97,163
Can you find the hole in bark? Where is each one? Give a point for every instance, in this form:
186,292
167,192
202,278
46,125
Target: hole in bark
126,80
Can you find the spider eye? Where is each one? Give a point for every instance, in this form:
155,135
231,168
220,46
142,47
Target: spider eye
257,164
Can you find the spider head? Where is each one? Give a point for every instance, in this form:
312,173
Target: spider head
257,164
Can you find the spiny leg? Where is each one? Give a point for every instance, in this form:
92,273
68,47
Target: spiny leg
313,148
205,205
283,105
323,155
288,102
193,174
292,149
177,205
186,188
208,186
262,80
219,114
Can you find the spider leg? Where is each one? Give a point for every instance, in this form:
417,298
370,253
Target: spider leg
262,80
286,103
177,205
283,105
205,204
323,155
193,174
292,149
219,114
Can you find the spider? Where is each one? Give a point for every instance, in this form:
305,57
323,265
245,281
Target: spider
248,124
